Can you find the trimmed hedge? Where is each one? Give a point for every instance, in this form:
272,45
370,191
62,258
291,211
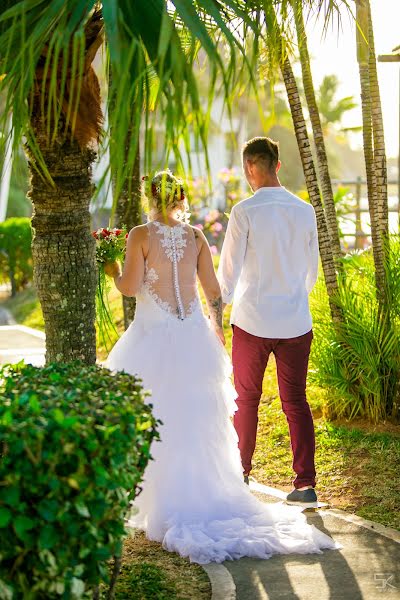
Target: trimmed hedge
16,252
74,443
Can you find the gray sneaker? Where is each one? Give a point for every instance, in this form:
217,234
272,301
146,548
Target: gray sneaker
246,479
307,498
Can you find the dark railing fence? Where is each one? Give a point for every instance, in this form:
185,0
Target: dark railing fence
359,238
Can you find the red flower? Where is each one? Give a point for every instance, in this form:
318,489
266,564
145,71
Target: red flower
106,232
94,234
118,231
126,236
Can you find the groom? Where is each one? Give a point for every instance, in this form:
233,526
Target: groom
268,267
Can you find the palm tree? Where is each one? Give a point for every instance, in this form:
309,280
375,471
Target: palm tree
62,247
53,93
378,133
322,160
324,239
277,51
375,197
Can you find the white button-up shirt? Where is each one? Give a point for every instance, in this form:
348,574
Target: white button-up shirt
269,263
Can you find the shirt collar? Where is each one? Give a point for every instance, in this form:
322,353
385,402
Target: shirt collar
270,189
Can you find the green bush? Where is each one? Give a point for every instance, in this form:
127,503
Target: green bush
75,441
359,361
15,252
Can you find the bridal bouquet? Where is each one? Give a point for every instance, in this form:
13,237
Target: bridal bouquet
110,246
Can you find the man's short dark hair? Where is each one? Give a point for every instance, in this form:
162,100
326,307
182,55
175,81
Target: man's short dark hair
262,149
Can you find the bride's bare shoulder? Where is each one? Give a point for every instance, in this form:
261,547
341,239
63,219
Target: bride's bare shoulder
139,231
199,236
138,234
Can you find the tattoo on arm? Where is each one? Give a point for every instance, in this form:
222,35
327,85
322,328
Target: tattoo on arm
215,306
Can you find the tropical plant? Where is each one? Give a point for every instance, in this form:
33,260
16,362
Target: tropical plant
359,360
75,441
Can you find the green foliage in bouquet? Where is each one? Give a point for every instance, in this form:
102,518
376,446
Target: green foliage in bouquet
110,247
359,361
15,252
74,443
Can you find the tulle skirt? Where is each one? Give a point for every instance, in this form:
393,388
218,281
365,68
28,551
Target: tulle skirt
194,500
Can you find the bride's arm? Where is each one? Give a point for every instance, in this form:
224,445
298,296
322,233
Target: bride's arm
210,285
130,279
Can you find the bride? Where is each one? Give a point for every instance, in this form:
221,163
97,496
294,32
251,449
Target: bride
194,499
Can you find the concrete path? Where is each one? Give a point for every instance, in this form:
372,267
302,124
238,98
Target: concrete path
6,317
368,566
18,342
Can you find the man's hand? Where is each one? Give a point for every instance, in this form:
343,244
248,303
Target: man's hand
112,269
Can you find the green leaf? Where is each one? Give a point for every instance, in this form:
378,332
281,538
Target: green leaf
77,587
5,516
82,509
72,482
6,418
23,524
34,403
6,592
48,537
58,415
48,509
10,496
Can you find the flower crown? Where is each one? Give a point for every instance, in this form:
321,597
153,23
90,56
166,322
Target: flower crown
165,186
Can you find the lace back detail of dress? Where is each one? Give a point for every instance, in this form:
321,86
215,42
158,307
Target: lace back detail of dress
171,268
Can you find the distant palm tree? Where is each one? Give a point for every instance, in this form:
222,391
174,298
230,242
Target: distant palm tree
332,109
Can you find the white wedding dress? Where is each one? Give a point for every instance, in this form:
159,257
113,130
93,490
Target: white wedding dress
194,499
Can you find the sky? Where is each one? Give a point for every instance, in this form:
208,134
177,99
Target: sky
336,54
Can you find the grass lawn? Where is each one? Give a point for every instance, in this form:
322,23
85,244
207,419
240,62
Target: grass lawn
357,463
148,572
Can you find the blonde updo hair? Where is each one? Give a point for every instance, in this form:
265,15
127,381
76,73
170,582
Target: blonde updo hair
165,193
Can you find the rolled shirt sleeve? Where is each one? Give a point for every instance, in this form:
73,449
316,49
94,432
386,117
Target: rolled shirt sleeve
233,253
312,273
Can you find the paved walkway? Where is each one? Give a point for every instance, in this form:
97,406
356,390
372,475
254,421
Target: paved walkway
18,342
367,567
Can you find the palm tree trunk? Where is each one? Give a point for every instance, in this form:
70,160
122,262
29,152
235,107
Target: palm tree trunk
63,248
129,213
323,168
303,142
380,167
363,57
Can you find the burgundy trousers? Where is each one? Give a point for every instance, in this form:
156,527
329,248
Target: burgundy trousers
250,355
